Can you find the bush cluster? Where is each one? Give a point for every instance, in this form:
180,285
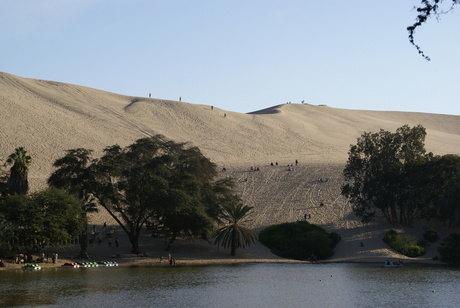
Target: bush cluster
450,249
299,240
405,244
430,235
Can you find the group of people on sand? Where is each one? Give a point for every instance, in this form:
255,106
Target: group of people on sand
43,258
289,165
252,168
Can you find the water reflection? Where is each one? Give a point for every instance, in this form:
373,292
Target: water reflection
247,285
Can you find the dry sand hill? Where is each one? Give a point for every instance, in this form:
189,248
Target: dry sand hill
49,117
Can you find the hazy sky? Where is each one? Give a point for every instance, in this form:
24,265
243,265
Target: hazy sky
239,55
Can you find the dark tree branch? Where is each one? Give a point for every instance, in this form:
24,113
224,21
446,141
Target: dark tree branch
428,8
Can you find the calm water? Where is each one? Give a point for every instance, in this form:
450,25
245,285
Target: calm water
247,285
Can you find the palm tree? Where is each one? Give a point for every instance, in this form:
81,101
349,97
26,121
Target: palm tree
18,182
234,234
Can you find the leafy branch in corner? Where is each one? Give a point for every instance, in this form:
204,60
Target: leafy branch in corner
427,9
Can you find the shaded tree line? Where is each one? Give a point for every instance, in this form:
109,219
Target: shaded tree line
29,222
153,180
169,184
392,173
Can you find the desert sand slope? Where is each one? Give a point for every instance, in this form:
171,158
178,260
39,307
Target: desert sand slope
49,117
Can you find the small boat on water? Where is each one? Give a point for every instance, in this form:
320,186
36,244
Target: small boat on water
88,264
393,265
390,264
32,267
71,265
108,263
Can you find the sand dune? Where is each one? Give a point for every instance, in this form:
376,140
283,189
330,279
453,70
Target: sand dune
48,117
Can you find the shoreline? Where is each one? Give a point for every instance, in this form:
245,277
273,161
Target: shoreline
214,262
134,261
187,252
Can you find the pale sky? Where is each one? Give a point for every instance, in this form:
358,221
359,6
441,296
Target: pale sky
239,55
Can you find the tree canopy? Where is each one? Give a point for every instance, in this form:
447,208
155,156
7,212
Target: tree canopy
73,175
3,182
393,174
448,201
426,9
154,179
48,217
381,173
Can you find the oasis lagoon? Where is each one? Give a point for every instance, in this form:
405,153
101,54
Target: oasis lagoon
242,285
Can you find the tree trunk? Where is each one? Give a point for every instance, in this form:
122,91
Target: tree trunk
134,245
401,215
393,214
233,249
84,243
134,240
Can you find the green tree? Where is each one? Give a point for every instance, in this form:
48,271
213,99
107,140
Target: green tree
18,182
382,173
73,175
7,237
157,180
3,181
48,217
234,234
448,205
193,200
427,9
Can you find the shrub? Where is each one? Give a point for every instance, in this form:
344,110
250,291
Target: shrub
299,240
391,236
335,237
430,235
450,249
413,251
405,244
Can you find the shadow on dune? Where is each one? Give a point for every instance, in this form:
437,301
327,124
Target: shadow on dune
271,110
